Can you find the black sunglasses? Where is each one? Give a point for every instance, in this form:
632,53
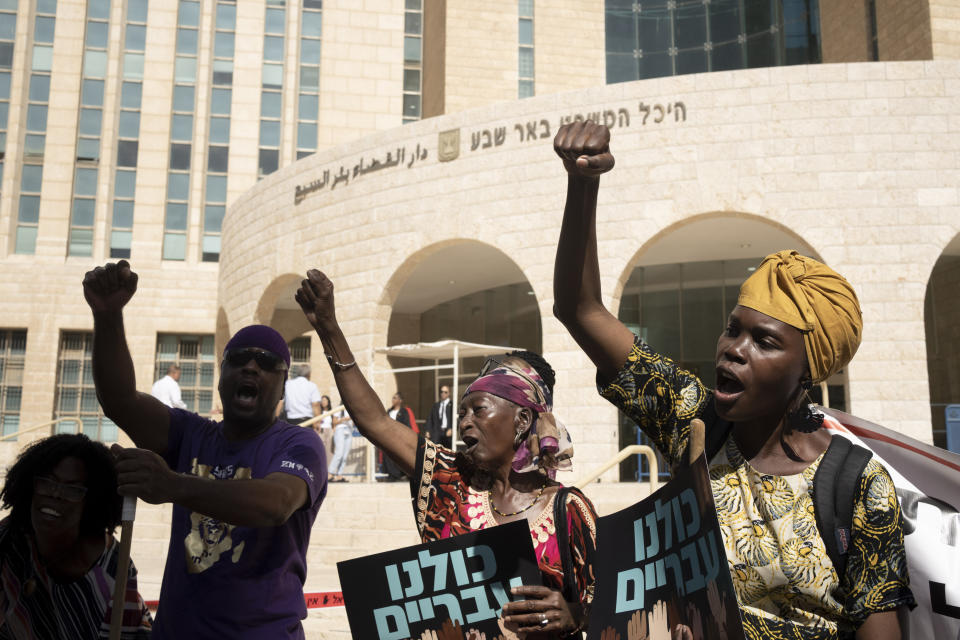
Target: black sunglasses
266,360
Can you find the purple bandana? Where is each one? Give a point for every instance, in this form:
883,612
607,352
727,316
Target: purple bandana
262,337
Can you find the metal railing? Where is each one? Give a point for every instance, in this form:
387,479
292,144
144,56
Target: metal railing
36,427
624,453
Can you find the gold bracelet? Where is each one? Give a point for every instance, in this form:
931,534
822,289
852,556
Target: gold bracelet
339,366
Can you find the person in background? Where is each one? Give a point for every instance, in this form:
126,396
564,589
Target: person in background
58,556
404,415
342,435
167,388
439,425
324,426
301,398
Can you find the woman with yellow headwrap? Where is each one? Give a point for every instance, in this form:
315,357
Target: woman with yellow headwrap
796,323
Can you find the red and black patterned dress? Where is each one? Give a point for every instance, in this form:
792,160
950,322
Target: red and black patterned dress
445,505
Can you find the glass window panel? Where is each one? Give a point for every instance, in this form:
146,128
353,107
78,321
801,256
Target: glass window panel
217,188
270,104
213,217
89,124
98,9
176,216
217,159
42,57
133,66
174,246
269,133
760,50
81,242
724,21
311,24
4,112
308,107
411,80
654,30
137,10
125,184
411,105
691,25
272,76
525,7
97,34
129,125
181,127
6,55
691,61
223,44
122,214
26,240
85,183
88,149
8,26
180,156
621,36
275,21
220,101
525,89
39,87
211,247
47,6
187,41
413,4
108,431
92,93
310,52
130,95
656,64
188,14
43,29
223,72
31,178
307,135
29,209
68,399
411,49
178,186
220,130
183,97
525,69
127,153
5,84
273,48
526,31
136,38
226,16
185,69
83,212
268,161
312,4
309,78
120,240
33,145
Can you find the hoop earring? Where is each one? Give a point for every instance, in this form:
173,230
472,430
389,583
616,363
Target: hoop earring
804,418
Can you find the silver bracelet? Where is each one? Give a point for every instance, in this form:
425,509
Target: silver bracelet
339,366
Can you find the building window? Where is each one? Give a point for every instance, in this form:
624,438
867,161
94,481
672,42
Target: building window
128,129
13,349
299,351
76,395
8,30
181,132
654,38
195,355
412,60
271,95
308,100
218,138
34,142
525,66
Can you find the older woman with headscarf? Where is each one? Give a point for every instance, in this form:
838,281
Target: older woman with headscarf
514,446
796,323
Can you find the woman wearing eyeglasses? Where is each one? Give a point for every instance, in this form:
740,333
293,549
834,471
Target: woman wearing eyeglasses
58,557
514,446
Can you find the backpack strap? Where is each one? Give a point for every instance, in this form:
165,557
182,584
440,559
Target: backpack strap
834,491
563,544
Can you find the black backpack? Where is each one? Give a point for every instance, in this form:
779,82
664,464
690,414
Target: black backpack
834,489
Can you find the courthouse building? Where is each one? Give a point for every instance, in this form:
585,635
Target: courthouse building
404,147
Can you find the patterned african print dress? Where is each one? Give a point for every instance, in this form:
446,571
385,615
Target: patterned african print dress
445,505
786,584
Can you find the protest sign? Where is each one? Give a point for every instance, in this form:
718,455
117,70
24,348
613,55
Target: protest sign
928,486
664,566
465,579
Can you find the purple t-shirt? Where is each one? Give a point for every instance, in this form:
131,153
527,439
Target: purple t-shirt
225,581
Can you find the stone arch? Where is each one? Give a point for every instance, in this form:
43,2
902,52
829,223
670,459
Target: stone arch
278,309
941,319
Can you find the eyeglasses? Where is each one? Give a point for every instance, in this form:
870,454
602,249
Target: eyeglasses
266,360
50,488
497,362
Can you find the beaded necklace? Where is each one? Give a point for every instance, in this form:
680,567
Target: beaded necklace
507,515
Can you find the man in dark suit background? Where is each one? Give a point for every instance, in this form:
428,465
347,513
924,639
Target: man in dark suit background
439,425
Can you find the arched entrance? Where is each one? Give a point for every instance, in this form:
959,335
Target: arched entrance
941,317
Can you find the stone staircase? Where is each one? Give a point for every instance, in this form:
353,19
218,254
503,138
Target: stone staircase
356,519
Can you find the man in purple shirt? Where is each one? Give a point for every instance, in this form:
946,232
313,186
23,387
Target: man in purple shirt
245,491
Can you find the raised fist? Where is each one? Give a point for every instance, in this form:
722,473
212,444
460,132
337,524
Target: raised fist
584,148
110,287
315,297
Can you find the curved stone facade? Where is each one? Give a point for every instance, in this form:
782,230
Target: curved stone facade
857,161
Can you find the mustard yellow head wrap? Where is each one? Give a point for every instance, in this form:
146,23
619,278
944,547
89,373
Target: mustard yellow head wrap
812,297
